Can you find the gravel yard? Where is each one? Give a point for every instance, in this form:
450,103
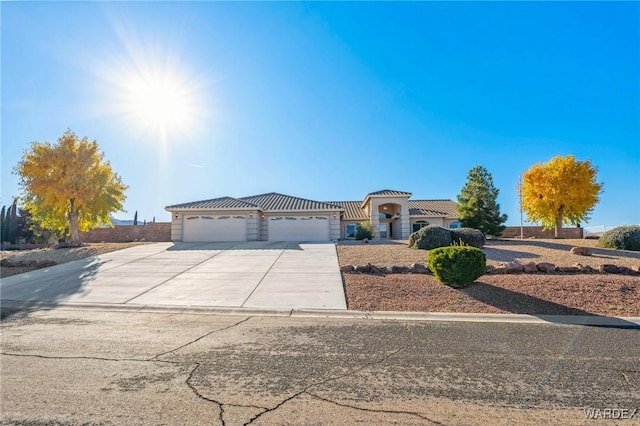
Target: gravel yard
497,252
559,294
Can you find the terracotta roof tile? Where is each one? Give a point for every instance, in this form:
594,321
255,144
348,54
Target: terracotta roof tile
388,192
437,208
274,202
352,210
215,203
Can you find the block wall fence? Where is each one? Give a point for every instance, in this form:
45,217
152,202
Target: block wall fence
155,232
537,232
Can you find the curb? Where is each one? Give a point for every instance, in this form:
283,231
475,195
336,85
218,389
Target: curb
586,320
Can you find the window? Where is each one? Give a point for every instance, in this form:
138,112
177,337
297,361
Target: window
192,217
238,217
321,218
350,230
290,218
276,218
454,225
419,225
385,216
224,217
206,217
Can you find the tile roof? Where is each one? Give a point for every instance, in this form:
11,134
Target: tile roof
352,210
388,192
215,203
274,202
438,208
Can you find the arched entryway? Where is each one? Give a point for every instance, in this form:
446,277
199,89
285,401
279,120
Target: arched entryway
389,221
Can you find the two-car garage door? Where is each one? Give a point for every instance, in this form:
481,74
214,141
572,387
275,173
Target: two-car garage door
298,228
215,228
205,228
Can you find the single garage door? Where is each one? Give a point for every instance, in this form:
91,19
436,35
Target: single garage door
215,228
299,228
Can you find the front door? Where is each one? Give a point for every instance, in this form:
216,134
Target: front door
383,230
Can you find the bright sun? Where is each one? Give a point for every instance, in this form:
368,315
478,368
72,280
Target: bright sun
160,102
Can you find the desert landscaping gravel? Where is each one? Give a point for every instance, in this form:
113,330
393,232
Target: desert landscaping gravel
536,294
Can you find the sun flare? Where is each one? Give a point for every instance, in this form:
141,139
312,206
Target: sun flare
160,102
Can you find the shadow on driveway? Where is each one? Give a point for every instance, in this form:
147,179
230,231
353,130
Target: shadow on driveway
44,288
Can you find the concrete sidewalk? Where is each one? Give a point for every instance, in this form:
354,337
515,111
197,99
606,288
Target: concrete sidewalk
242,275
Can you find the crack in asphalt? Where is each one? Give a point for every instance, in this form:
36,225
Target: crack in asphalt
371,410
552,370
306,388
200,338
94,358
201,396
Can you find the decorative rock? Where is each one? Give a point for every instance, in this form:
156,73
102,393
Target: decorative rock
5,263
368,269
347,268
586,269
384,270
399,269
45,263
491,269
610,269
546,267
626,271
513,267
570,269
581,251
366,241
499,270
418,268
530,268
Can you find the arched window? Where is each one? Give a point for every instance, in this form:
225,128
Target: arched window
418,225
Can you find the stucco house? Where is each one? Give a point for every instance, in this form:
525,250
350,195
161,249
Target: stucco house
279,217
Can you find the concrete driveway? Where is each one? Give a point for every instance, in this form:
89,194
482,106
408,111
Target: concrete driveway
247,275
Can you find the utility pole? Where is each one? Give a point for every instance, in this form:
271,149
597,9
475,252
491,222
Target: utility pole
520,195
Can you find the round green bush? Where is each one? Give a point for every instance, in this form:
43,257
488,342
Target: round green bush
622,238
457,265
430,237
468,236
365,230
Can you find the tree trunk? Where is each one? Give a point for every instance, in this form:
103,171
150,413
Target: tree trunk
559,222
73,226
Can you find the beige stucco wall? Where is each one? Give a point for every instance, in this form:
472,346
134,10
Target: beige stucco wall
401,205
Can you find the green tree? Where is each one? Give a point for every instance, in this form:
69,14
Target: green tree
562,191
69,185
477,207
135,218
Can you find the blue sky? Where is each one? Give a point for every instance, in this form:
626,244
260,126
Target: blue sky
327,101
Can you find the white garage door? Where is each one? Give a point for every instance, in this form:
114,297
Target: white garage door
299,228
215,228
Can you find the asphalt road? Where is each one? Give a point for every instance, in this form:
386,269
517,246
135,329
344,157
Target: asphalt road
92,367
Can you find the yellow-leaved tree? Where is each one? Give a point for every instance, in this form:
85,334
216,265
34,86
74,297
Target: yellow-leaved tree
69,185
561,191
